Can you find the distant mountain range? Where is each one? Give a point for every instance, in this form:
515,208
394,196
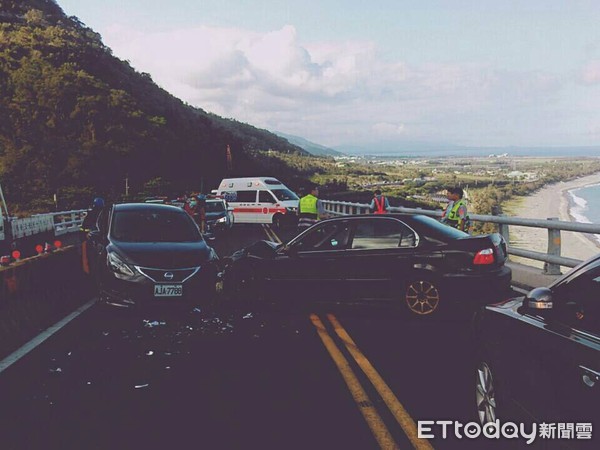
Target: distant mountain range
310,147
427,149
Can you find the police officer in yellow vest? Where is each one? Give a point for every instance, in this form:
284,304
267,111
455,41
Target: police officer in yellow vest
455,214
310,209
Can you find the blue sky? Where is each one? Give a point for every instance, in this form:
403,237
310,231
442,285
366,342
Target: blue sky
372,74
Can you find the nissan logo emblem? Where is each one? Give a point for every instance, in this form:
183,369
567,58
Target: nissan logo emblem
169,275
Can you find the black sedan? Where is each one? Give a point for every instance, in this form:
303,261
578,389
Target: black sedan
145,253
218,215
411,260
538,356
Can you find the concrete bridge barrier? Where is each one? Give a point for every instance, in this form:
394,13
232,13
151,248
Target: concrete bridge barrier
38,291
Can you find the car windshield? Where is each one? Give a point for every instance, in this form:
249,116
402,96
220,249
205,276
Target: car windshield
215,207
151,225
438,230
284,194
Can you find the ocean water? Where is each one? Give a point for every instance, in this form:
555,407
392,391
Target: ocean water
585,205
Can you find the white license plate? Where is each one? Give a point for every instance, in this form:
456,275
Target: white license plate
168,290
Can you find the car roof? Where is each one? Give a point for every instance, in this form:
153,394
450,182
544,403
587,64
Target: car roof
145,207
400,216
587,265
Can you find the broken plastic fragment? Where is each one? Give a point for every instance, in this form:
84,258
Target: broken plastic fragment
248,316
154,323
141,386
197,310
149,353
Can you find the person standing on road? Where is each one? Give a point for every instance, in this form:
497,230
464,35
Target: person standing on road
190,206
89,221
455,215
201,210
88,224
379,204
310,209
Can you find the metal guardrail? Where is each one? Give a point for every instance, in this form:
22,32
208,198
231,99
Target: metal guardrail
64,221
59,223
552,258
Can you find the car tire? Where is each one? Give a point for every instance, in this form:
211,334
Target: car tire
487,400
422,297
278,221
232,289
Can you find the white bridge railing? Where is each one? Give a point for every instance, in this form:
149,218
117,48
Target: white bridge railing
552,259
59,223
64,221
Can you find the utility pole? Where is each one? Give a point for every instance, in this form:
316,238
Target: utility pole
8,234
4,203
127,187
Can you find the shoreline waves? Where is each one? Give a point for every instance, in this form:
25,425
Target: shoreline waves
554,200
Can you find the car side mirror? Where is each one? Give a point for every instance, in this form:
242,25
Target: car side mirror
539,299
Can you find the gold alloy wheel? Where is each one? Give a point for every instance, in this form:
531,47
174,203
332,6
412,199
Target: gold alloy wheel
422,297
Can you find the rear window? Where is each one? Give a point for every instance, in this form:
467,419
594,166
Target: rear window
151,225
272,181
382,233
212,207
436,230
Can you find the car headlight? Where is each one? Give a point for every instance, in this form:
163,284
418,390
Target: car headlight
118,266
222,220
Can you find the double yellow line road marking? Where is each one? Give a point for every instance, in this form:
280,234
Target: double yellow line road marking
366,407
270,233
372,417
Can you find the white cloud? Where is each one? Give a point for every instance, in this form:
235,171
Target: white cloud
591,73
344,92
388,130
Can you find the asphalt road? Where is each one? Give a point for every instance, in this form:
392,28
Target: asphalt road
316,379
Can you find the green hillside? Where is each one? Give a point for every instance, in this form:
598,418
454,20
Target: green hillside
76,121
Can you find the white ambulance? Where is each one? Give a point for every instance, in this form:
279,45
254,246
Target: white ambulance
259,200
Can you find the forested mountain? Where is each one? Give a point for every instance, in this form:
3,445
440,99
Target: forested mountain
77,121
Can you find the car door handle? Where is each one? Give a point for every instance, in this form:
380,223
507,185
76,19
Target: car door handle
589,377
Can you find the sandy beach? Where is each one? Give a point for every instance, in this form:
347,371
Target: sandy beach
551,201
